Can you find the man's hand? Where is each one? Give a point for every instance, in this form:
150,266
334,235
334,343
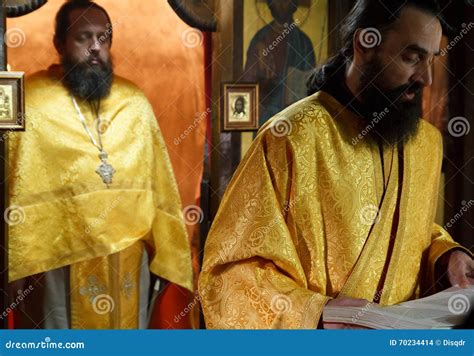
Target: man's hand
460,269
345,302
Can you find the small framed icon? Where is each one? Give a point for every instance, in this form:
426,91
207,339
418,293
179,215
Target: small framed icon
12,105
239,107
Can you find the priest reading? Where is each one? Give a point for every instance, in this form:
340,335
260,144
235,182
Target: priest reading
93,182
334,203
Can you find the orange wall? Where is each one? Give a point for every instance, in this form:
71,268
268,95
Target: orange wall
150,47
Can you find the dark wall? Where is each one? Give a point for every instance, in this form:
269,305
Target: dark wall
459,152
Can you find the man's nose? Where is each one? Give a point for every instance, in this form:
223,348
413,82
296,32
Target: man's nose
424,75
96,45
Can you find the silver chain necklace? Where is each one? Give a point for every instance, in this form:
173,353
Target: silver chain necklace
105,170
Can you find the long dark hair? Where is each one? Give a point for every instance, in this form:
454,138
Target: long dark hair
365,14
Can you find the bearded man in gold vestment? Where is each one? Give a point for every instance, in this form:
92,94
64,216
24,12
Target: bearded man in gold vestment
93,184
334,203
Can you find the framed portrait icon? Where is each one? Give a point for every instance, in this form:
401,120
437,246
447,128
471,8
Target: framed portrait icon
12,105
239,103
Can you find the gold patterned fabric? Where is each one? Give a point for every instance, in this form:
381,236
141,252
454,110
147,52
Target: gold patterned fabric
64,214
106,290
305,218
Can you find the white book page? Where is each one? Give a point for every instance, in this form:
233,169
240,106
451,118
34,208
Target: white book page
442,310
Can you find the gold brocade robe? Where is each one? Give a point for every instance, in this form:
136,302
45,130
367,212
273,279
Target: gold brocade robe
303,220
62,214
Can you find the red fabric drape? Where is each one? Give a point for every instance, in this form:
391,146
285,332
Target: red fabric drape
173,309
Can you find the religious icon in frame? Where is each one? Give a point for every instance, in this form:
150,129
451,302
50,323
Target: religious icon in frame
239,107
12,105
283,42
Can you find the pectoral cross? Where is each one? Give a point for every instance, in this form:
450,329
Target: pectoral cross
105,170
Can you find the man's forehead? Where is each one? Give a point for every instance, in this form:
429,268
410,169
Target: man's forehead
416,28
87,18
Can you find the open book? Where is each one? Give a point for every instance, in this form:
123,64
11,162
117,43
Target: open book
443,310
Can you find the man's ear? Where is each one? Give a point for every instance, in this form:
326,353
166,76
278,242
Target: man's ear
58,45
364,47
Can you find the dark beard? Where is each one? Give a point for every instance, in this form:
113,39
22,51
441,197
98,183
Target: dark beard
88,82
394,121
